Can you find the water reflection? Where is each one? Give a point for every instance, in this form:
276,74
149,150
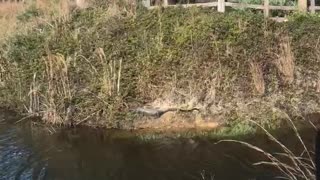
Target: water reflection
82,153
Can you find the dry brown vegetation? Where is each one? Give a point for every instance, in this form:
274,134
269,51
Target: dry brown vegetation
285,62
8,20
257,77
58,89
49,9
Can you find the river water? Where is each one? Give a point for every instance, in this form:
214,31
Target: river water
32,152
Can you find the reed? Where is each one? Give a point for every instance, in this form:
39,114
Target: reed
111,78
56,101
292,166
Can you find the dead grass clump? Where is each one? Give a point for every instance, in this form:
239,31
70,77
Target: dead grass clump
285,61
111,78
257,77
59,91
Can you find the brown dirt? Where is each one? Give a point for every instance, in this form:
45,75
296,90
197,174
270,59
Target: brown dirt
177,121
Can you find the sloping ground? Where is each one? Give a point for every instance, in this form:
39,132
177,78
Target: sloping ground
99,64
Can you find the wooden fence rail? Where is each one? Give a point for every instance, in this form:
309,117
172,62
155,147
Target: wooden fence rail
11,1
266,7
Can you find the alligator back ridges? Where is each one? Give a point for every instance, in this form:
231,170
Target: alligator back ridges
160,112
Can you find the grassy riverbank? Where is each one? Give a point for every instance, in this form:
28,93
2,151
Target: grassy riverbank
95,66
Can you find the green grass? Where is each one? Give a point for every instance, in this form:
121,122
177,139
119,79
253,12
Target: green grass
94,66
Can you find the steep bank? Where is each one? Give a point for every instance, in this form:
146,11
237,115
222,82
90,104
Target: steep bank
97,66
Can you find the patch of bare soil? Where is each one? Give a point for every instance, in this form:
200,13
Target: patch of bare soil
178,121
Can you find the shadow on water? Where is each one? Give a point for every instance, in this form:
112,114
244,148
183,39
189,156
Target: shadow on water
27,152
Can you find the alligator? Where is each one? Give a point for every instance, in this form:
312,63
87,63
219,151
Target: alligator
159,112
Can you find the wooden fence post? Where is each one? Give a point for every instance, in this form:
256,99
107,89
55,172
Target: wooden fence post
146,3
312,6
302,5
165,3
266,9
221,6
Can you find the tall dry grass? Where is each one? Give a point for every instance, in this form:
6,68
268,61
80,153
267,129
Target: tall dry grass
2,75
111,78
292,166
34,96
58,90
285,61
257,77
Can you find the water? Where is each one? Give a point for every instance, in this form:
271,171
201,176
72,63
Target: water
31,152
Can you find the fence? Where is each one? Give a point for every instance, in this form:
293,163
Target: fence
266,7
11,1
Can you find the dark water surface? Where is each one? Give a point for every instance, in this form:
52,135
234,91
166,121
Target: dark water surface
29,152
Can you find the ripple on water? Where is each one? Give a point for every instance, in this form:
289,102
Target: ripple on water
13,156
